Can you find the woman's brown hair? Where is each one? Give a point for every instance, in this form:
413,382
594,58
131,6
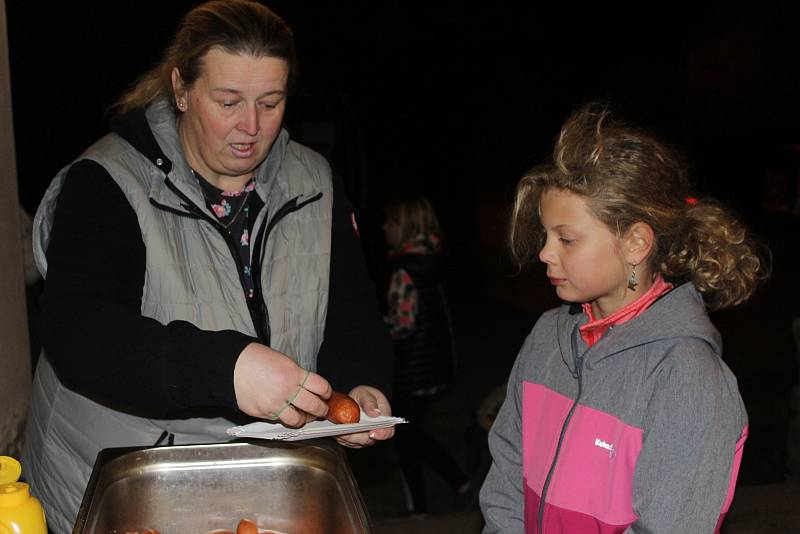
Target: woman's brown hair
234,26
626,176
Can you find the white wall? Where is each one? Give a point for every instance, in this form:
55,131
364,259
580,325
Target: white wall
14,357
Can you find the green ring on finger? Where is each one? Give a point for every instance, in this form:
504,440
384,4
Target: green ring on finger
289,402
299,387
305,378
275,415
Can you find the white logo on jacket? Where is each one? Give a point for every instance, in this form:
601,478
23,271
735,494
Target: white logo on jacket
612,451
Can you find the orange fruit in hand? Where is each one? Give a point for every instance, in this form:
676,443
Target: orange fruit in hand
343,409
246,527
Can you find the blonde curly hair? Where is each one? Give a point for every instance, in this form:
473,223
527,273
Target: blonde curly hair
626,176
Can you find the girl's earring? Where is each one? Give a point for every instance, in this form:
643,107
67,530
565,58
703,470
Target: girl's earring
632,279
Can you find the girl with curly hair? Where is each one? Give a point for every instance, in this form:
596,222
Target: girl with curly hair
620,415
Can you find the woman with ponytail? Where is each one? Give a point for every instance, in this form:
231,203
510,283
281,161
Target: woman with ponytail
202,268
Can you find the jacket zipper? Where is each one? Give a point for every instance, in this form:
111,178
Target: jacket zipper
196,212
579,375
261,324
260,243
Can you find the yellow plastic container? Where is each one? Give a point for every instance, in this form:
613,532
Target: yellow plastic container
20,512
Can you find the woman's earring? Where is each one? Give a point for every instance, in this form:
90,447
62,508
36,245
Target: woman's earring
632,279
181,105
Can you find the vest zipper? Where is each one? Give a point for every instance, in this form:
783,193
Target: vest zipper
196,212
260,243
578,373
259,317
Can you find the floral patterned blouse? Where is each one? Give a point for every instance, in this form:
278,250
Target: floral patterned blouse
232,209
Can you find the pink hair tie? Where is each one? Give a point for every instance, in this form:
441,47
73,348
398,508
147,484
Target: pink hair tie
691,201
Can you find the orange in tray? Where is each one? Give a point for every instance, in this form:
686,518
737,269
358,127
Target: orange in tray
245,527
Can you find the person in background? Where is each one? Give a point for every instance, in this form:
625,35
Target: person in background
620,415
202,269
419,323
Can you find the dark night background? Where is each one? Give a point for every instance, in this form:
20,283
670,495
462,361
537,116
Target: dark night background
458,102
443,97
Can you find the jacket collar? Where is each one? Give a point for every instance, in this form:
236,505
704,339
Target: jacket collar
153,132
680,313
596,328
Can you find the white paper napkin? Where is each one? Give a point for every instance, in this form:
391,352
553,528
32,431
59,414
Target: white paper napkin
314,429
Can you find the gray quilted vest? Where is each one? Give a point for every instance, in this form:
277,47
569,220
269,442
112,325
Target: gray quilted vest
191,275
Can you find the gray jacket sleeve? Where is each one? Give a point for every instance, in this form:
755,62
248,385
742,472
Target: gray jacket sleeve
694,420
501,498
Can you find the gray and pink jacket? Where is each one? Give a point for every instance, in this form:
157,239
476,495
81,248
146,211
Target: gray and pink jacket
642,432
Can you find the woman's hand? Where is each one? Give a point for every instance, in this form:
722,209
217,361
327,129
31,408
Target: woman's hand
269,385
374,403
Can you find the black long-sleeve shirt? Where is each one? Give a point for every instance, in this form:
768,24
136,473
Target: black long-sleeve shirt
100,344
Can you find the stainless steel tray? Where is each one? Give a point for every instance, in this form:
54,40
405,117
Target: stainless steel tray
298,487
